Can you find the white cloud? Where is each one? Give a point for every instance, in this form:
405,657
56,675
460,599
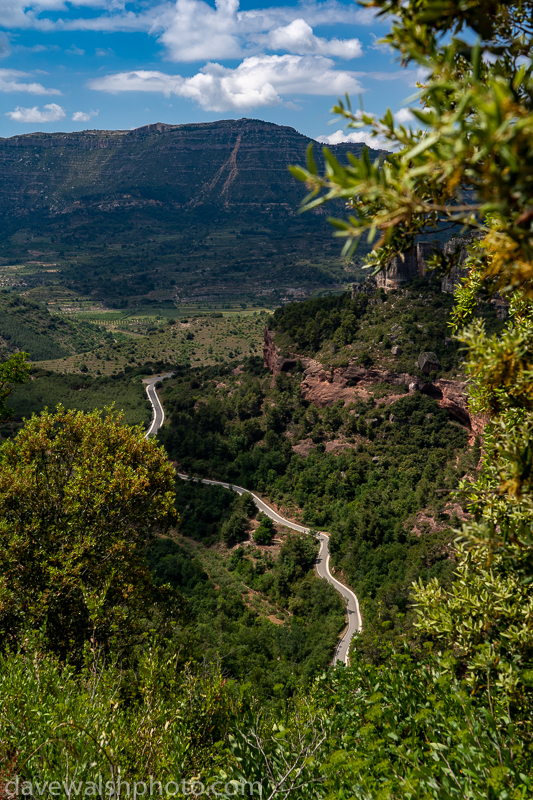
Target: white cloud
75,51
83,116
161,14
4,45
298,37
195,31
382,47
50,113
192,30
408,76
356,137
404,116
9,82
38,48
258,81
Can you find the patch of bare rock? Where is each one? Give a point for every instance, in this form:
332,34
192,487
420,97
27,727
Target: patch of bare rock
326,387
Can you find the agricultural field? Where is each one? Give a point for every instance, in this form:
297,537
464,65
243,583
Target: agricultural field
29,326
196,341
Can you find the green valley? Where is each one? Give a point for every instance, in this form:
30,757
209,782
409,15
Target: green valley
167,215
310,576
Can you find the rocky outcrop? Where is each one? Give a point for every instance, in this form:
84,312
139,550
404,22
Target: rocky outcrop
452,396
456,250
428,362
404,268
272,358
326,387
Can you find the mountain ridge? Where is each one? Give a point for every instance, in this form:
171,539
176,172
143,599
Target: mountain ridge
145,148
191,206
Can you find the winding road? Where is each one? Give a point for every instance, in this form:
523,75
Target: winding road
159,415
322,564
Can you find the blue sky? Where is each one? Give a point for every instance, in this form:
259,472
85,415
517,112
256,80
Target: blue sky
107,64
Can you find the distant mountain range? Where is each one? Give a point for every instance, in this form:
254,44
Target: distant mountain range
166,210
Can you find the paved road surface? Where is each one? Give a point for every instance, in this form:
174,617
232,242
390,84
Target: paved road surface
159,414
322,564
352,604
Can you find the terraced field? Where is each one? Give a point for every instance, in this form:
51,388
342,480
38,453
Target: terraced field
201,340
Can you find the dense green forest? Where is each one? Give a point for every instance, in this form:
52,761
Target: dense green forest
394,461
276,658
80,392
366,325
29,326
160,634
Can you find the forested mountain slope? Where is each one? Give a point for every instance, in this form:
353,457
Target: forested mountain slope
369,454
30,327
120,660
167,211
225,165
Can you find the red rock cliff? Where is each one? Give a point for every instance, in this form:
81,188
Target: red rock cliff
325,387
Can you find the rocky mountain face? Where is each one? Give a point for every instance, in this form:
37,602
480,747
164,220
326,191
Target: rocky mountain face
231,164
168,213
324,387
414,264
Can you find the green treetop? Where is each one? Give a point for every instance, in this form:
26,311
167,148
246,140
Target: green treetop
13,371
469,160
80,496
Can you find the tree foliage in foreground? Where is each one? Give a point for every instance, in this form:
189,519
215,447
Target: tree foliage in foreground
12,372
80,497
469,160
453,719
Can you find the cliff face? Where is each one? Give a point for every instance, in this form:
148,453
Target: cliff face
412,264
225,164
402,270
272,358
325,388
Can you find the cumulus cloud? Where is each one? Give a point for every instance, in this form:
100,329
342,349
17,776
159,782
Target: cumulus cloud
192,30
10,82
404,116
83,116
162,16
258,81
357,137
75,51
50,113
298,37
195,31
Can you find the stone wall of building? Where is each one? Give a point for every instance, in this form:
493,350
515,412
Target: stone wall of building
412,264
403,269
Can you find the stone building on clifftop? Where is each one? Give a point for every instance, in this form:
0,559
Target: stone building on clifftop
413,264
403,269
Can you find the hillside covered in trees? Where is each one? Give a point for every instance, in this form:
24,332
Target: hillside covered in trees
153,629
